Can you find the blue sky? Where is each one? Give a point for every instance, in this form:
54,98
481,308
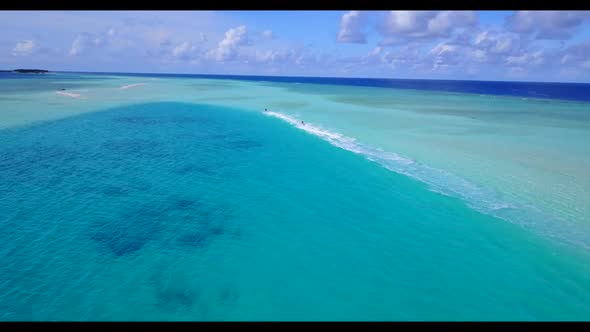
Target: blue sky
480,45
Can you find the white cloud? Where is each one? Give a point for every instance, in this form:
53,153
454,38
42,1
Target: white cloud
443,49
407,55
351,25
85,41
492,47
535,58
565,59
427,40
24,48
185,51
495,42
115,41
445,54
227,49
517,60
274,56
377,55
575,55
287,57
559,25
169,51
444,22
479,56
401,24
80,44
267,34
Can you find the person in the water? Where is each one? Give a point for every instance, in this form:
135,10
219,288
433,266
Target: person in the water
303,123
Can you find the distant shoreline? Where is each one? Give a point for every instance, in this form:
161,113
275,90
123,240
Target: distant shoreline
26,71
564,91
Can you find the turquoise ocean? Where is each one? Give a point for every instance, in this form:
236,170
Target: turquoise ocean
180,199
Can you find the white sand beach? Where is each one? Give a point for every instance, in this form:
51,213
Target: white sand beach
131,85
69,94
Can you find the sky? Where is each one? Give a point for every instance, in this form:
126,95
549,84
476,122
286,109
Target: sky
550,46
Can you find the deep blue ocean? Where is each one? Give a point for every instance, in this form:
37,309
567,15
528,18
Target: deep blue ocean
549,90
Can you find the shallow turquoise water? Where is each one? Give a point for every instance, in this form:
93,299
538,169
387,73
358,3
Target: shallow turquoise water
179,211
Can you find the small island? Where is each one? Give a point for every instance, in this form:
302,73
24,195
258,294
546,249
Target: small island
31,71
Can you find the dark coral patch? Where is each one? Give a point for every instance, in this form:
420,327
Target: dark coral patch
120,242
197,239
216,230
149,216
185,204
175,298
179,202
133,231
228,294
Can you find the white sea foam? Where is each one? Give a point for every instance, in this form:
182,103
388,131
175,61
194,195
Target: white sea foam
69,94
131,85
438,180
445,183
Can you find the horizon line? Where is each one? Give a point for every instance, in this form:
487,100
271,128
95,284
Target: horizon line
336,77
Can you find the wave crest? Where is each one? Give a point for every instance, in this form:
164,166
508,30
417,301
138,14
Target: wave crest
448,184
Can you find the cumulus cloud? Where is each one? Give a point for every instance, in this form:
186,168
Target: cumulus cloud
557,25
227,49
461,54
445,54
401,25
577,55
413,43
484,47
408,55
267,34
168,51
24,48
376,56
86,41
81,43
351,28
534,58
461,47
498,43
288,57
275,56
185,51
443,49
